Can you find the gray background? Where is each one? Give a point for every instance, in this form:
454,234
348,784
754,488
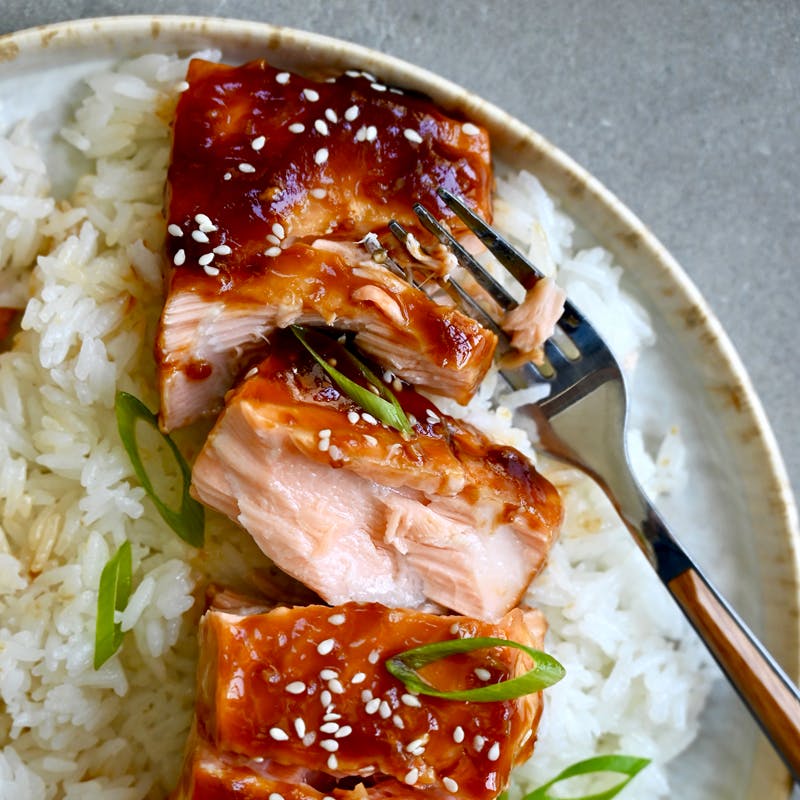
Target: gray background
688,111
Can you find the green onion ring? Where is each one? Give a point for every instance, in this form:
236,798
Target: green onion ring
546,670
113,594
188,521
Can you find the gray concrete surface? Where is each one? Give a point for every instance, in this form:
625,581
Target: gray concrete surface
690,112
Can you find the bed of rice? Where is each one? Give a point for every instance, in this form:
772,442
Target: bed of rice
87,273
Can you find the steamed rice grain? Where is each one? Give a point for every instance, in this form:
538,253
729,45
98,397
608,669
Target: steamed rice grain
68,498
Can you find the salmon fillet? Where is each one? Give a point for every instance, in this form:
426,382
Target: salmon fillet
264,163
210,333
298,701
358,511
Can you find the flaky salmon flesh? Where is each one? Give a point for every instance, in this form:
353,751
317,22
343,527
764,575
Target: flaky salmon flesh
264,163
356,510
298,702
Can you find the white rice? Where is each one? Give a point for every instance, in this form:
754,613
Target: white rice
635,682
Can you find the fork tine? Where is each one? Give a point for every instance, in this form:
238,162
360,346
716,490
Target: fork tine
519,266
571,321
495,290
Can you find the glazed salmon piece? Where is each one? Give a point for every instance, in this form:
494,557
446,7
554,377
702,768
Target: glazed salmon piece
356,510
306,688
264,163
211,332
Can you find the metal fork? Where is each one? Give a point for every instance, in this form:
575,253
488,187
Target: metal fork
582,421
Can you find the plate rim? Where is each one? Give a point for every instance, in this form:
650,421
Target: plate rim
586,191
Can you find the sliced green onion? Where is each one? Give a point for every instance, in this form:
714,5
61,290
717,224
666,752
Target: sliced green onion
385,407
112,595
188,521
546,670
630,766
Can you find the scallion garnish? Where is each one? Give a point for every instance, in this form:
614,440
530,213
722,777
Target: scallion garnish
546,670
112,595
630,766
385,407
189,519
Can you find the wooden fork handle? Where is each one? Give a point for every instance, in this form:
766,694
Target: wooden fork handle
758,680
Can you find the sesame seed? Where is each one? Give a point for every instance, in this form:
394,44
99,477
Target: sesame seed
411,776
300,727
210,271
326,646
199,236
258,142
328,674
336,453
309,739
207,227
494,752
398,722
205,259
482,674
272,252
395,90
202,219
297,127
227,176
320,126
283,77
458,735
432,416
352,113
321,156
182,86
470,129
353,73
174,230
278,230
278,735
417,751
412,135
478,742
416,743
335,685
319,193
450,785
325,697
397,384
272,238
361,134
331,717
331,745
222,250
373,705
275,796
311,95
410,700
385,710
179,258
331,115
366,696
329,727
251,372
333,762
337,619
352,416
455,628
323,445
359,677
372,133
370,440
374,656
367,417
378,87
387,376
345,730
245,167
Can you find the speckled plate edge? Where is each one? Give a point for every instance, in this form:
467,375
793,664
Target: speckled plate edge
593,206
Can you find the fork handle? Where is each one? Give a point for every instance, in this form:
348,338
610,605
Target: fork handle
764,688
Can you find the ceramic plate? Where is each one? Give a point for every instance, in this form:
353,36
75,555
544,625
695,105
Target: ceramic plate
737,518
